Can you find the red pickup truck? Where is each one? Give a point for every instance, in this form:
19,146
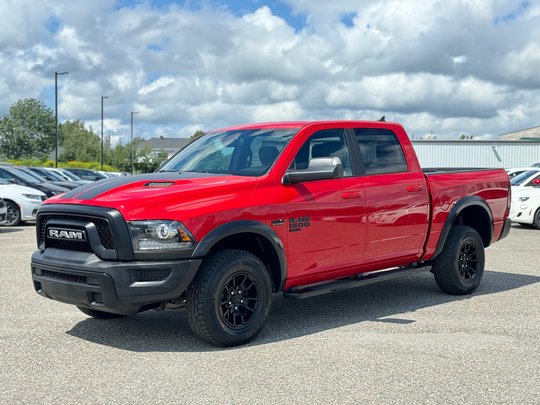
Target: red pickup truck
301,208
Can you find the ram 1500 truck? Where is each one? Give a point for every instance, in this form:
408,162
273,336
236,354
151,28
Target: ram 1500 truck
300,208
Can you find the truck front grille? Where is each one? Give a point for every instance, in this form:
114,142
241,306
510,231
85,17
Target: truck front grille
72,278
102,226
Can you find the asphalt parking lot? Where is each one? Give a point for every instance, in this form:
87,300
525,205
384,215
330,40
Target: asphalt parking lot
402,341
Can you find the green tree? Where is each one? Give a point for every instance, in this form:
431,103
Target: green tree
79,143
120,156
28,130
196,135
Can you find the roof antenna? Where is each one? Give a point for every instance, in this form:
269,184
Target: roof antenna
382,119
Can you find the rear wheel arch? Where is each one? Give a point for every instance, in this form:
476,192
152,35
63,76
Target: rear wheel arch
471,211
253,237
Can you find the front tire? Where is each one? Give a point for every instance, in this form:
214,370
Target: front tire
460,266
94,313
13,217
229,300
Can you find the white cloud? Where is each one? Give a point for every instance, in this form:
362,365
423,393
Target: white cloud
450,67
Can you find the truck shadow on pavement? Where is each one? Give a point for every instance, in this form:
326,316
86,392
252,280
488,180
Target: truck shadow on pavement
168,331
9,230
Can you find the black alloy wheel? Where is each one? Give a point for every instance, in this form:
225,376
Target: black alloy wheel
468,262
238,303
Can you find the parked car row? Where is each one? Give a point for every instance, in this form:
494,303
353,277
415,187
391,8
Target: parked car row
23,189
525,208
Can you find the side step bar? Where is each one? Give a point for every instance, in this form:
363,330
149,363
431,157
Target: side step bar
359,280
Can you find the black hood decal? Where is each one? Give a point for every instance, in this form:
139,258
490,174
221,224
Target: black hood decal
92,190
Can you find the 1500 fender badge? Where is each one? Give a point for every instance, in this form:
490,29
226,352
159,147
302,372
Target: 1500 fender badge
298,223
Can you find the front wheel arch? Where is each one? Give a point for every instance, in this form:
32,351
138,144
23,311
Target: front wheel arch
252,236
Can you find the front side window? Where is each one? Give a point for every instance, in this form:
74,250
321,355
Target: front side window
381,151
323,144
249,152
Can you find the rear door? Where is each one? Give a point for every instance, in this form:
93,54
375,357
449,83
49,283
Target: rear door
397,208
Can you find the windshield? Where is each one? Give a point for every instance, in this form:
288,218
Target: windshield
22,175
35,175
247,152
49,173
523,177
69,175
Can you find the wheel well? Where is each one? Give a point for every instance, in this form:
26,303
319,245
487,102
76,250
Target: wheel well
476,217
257,245
11,201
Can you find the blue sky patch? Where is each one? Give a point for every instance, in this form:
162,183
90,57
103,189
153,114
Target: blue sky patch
53,24
513,14
348,19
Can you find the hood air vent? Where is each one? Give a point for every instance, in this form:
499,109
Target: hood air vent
159,184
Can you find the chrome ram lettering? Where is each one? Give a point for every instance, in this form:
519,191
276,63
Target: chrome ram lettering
66,234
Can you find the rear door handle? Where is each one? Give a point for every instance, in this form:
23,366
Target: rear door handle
414,189
350,195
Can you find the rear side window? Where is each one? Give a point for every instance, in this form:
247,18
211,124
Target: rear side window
381,151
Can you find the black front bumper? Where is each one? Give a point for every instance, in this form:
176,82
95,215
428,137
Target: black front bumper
121,287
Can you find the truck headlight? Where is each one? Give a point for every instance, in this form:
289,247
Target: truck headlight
159,235
523,199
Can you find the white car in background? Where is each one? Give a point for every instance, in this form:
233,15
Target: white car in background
527,179
516,171
525,208
21,202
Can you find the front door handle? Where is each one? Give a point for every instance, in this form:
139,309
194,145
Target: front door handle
350,195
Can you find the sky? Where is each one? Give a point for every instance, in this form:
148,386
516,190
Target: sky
439,67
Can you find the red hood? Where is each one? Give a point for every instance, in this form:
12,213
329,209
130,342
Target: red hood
158,195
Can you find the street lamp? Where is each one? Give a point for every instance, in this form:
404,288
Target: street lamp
102,98
132,157
56,74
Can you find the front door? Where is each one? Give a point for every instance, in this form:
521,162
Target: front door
325,217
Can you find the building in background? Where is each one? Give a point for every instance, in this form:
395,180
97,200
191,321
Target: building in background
504,154
160,147
529,134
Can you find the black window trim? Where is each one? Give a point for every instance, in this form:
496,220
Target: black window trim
360,158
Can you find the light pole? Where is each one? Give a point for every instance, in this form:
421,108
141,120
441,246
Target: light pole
102,98
56,74
132,157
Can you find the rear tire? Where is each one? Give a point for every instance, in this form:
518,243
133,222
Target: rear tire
94,313
460,266
13,217
229,300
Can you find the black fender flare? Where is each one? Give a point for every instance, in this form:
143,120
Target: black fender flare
459,206
245,226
